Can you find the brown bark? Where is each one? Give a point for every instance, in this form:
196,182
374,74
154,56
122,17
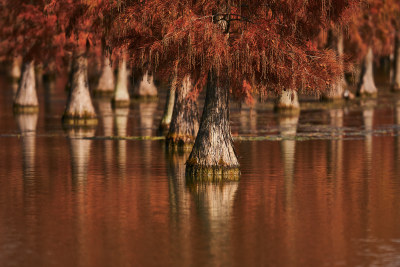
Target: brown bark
121,96
106,85
288,102
185,118
396,65
26,99
169,108
366,86
213,156
146,87
335,91
79,109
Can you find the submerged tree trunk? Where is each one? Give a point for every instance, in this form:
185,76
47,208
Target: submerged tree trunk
121,95
336,90
26,99
213,156
106,85
366,86
288,102
169,108
396,65
79,110
185,118
146,87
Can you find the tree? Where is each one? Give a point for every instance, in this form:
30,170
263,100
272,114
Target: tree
235,47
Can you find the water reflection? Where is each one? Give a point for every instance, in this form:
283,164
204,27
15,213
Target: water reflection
121,124
248,120
105,111
368,119
214,206
27,126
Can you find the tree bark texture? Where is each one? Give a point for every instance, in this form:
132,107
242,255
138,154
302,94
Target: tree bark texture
213,157
288,102
121,95
26,99
396,65
146,87
185,118
366,86
79,109
106,85
335,91
169,108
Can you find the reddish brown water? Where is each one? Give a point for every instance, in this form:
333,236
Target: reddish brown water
328,197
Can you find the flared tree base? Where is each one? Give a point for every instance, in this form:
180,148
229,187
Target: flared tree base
86,120
196,173
121,103
22,109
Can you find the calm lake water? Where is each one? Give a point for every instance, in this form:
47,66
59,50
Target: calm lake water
319,189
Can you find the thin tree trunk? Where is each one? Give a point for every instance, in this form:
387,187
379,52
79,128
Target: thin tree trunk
79,109
169,108
106,85
121,95
213,156
366,86
26,99
288,102
185,118
335,91
396,65
146,87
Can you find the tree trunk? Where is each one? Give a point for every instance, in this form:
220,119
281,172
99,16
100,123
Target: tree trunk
26,99
288,102
169,108
366,86
146,87
396,65
121,96
335,91
79,110
15,71
106,85
185,118
213,156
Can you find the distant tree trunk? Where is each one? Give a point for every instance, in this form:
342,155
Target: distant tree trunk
15,71
288,102
185,118
169,107
79,109
366,86
213,156
335,91
121,95
146,87
106,85
26,99
396,65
